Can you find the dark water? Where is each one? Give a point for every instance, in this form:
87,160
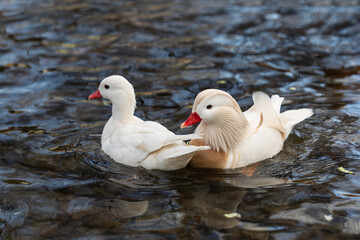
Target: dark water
55,183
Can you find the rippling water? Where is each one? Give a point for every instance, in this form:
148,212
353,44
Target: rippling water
55,182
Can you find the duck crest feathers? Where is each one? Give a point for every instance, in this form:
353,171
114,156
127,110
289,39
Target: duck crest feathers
225,134
211,92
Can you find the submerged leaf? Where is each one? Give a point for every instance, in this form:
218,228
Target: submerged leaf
232,215
328,217
341,169
16,181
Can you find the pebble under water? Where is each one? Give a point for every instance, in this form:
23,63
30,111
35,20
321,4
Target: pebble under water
56,183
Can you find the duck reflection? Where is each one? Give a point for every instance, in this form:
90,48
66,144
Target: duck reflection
109,208
216,202
210,204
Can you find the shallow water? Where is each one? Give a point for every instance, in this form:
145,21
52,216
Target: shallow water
55,182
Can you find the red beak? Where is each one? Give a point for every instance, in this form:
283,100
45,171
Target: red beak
192,119
95,95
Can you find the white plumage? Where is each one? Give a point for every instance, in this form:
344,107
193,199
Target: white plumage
134,142
237,138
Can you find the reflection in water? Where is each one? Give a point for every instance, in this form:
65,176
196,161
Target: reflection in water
212,204
56,183
324,214
84,208
255,182
13,212
217,204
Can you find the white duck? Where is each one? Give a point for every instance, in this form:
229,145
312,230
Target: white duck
237,138
134,142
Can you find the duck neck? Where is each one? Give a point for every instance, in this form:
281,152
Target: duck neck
224,135
123,113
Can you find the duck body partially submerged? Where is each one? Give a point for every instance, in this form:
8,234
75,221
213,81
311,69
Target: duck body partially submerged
131,141
237,138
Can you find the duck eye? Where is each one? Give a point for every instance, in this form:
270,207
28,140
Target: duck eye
106,86
209,106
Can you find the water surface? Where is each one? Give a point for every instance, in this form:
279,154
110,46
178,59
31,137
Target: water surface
55,182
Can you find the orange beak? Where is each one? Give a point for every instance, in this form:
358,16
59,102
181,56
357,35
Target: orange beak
95,95
192,119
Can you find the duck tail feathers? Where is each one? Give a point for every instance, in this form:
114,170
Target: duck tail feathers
270,109
276,101
172,158
292,117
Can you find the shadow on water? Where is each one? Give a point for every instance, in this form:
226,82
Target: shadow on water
56,183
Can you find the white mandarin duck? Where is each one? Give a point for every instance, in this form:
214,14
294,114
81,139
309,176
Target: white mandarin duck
134,142
237,138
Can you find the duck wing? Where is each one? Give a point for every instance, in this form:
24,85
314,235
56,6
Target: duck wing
269,110
291,117
132,144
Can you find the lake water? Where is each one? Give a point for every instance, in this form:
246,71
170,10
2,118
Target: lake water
55,182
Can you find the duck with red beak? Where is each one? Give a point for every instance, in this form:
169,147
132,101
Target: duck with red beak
96,95
237,138
129,140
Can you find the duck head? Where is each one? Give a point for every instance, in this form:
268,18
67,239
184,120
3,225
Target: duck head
221,120
114,88
120,92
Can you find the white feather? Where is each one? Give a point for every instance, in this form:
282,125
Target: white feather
131,141
292,117
260,132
